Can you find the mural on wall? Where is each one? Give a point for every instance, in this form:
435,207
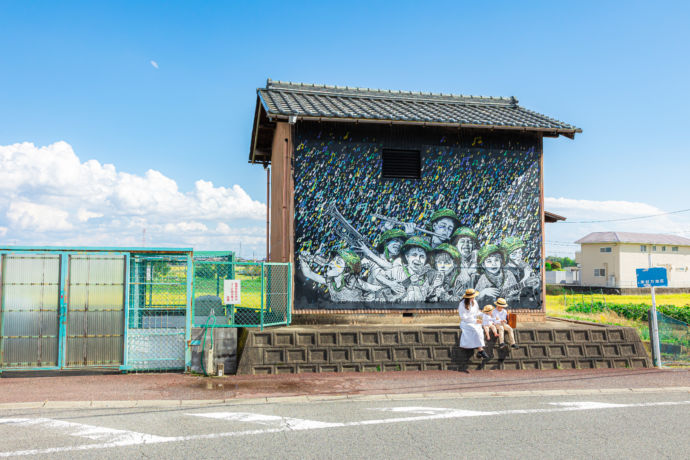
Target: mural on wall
365,242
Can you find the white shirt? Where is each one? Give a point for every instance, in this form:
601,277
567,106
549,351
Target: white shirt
487,320
500,315
468,316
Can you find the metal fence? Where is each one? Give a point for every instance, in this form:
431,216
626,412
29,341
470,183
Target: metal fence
674,341
264,300
157,314
126,308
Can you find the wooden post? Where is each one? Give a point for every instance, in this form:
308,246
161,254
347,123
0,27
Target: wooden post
540,145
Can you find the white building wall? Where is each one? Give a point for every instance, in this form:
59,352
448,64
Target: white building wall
677,264
620,264
591,259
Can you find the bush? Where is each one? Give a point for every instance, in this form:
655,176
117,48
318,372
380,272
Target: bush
555,265
634,311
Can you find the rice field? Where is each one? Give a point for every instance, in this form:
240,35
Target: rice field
556,306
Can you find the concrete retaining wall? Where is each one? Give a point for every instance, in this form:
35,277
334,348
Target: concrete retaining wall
406,348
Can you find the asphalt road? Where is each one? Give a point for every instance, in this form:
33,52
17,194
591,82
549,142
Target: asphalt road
620,425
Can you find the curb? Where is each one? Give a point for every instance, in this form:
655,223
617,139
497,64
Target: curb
327,398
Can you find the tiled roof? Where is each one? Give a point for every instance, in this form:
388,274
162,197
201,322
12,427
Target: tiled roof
636,238
282,100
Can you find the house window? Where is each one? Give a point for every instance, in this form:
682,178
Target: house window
599,272
653,248
643,248
663,248
604,249
401,164
674,248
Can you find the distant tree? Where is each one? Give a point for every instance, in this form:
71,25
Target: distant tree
556,265
564,261
548,266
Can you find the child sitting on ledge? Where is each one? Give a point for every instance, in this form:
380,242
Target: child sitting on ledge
488,322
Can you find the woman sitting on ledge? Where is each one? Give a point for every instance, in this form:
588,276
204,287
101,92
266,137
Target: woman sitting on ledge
471,336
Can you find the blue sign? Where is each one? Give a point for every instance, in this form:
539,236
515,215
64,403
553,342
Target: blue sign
648,277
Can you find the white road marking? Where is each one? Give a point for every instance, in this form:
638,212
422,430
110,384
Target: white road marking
109,435
270,420
582,405
119,438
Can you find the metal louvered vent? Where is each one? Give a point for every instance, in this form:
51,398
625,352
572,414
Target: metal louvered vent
401,164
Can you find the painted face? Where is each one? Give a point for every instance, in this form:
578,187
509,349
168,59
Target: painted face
335,267
464,246
492,264
444,263
416,259
443,228
394,246
516,256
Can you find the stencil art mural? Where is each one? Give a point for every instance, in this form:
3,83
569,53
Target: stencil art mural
367,242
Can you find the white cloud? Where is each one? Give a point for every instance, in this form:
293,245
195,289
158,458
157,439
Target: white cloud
48,189
83,215
598,207
185,227
32,216
154,64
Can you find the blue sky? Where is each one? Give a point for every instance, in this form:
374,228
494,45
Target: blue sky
78,87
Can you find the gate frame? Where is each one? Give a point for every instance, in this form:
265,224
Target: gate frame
63,254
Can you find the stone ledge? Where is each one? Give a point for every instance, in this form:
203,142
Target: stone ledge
408,347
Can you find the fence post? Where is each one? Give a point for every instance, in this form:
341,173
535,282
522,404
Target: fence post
189,314
62,315
125,352
263,285
289,294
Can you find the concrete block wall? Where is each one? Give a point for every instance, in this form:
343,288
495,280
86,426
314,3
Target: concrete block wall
408,348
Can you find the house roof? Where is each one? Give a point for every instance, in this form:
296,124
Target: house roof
280,101
551,217
636,238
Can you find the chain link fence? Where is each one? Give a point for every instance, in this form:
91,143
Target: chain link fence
674,341
264,294
128,309
156,321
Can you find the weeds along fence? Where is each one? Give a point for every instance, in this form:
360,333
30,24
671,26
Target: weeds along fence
126,308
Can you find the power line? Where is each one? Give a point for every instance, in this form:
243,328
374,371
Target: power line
561,243
623,219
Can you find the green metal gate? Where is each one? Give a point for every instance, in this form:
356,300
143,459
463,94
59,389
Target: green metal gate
95,310
126,308
157,316
60,310
30,307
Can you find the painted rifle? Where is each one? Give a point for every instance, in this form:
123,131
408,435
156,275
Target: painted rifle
351,235
399,222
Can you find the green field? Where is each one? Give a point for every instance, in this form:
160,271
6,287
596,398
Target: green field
556,306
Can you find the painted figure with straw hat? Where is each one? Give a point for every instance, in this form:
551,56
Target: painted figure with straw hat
341,277
495,281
